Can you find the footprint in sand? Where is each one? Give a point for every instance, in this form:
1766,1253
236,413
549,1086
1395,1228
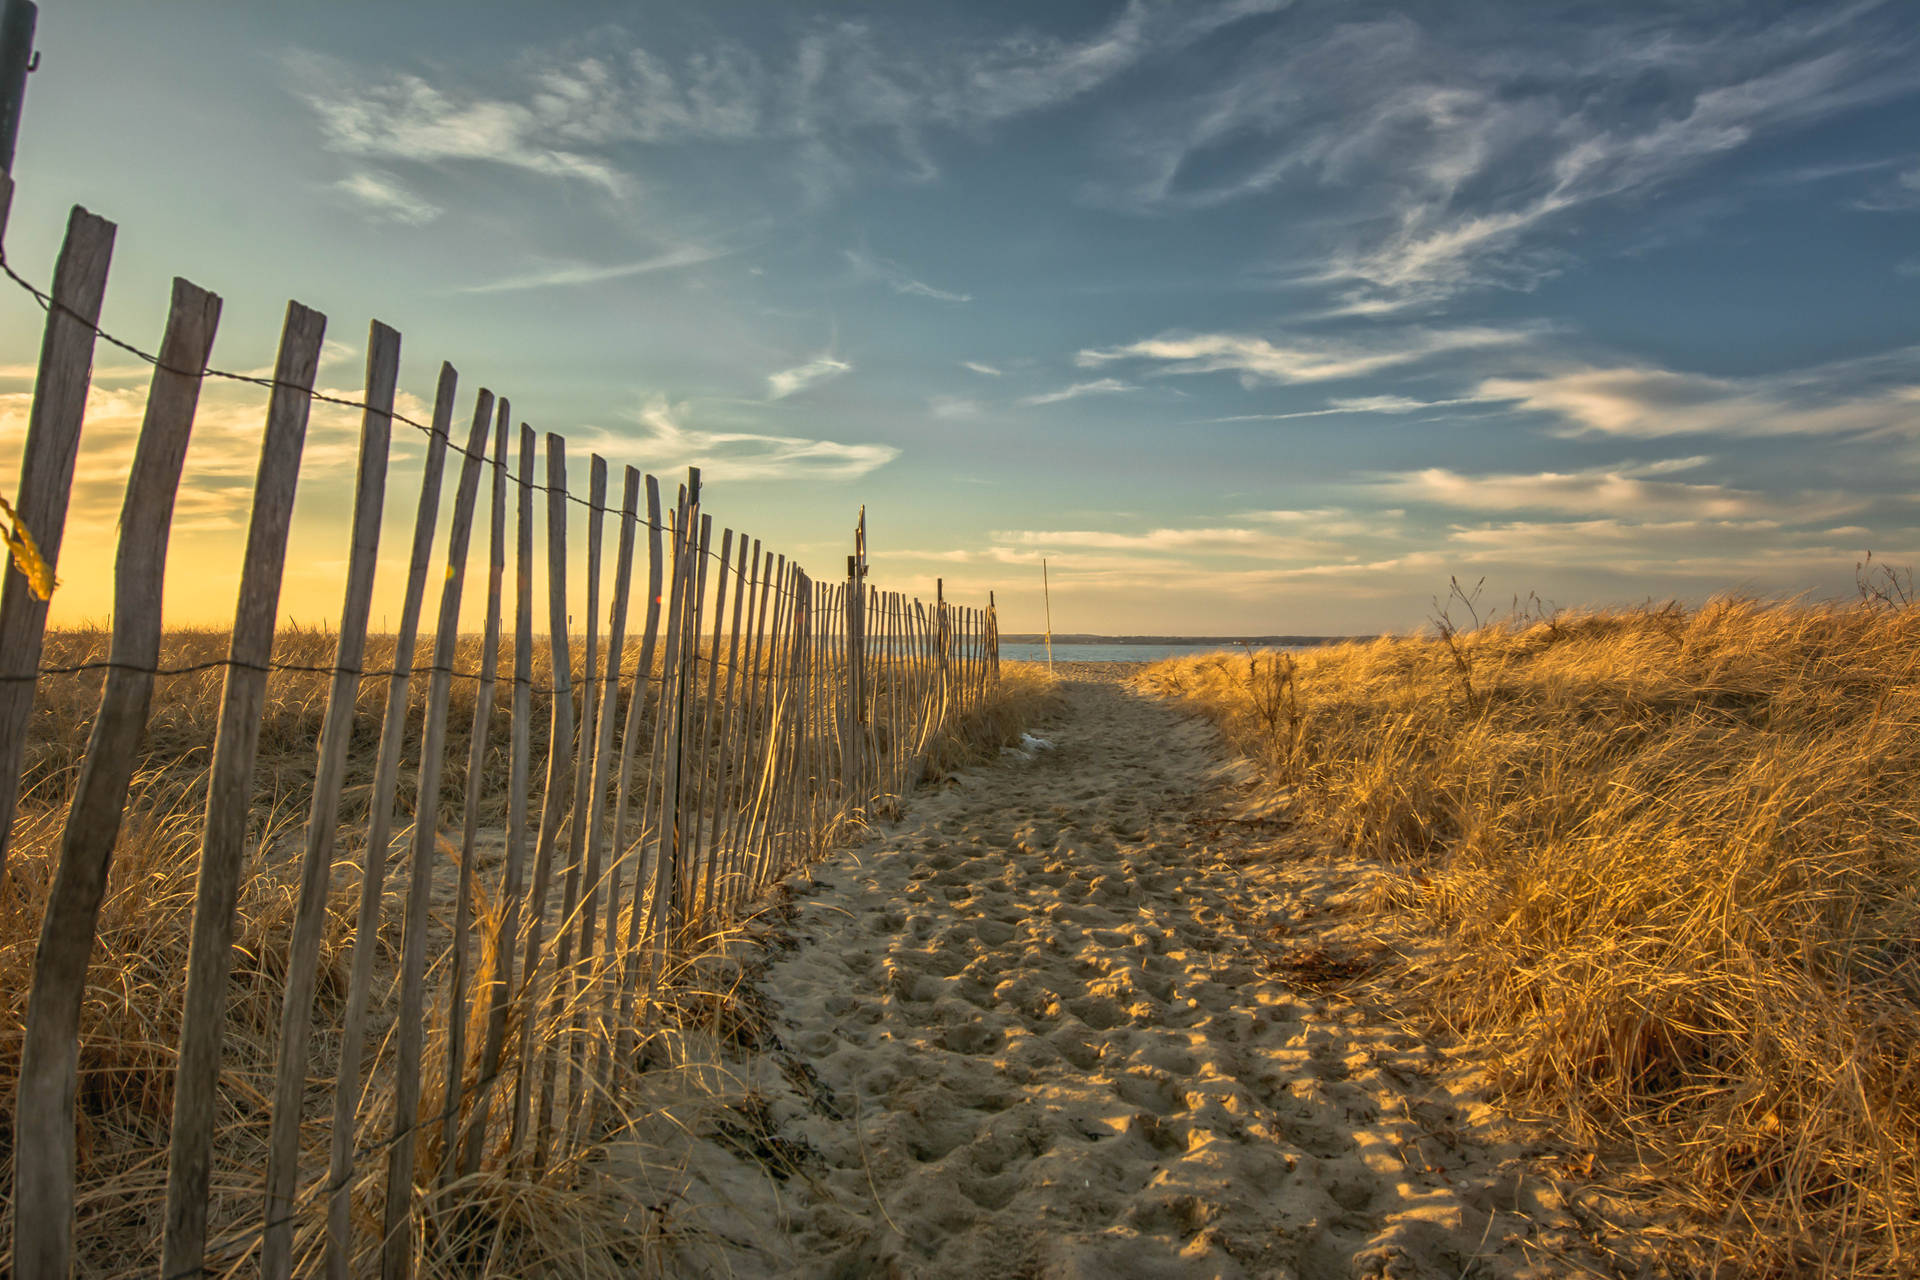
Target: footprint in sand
1070,1059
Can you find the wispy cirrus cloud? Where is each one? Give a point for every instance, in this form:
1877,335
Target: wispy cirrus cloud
1445,156
406,118
574,274
1097,387
1297,359
666,442
381,197
897,278
821,368
1627,491
841,97
1901,195
1391,405
1876,395
985,370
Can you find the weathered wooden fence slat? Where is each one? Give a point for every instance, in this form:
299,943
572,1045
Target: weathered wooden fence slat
519,753
457,1003
46,482
407,1133
230,793
43,1187
316,867
393,732
554,799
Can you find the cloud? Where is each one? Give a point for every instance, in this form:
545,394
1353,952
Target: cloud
1098,387
820,369
986,369
1153,540
1358,404
407,119
845,96
1622,491
897,278
953,407
668,444
1259,360
1420,158
1875,395
386,200
1902,195
581,273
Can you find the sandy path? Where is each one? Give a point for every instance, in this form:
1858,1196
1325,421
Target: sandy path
1074,1016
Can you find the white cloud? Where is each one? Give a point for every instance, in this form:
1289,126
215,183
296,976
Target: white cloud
384,199
1902,195
668,444
897,278
953,407
1622,491
1444,153
1642,401
1359,404
986,369
408,119
1153,540
820,369
1258,359
582,273
1098,387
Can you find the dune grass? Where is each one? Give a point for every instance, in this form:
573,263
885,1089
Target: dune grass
1676,857
572,1217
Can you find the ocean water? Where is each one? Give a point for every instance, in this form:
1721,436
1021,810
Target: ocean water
1114,652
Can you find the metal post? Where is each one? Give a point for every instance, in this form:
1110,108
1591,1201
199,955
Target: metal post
16,60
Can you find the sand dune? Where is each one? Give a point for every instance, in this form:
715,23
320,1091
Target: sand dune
1079,1015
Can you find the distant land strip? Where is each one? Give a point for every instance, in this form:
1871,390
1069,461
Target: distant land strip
1062,637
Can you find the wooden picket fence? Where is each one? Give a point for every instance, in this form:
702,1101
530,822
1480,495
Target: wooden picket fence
718,733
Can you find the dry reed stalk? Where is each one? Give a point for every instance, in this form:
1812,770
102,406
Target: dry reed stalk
1676,859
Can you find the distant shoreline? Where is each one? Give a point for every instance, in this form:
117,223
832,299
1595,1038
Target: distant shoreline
1034,637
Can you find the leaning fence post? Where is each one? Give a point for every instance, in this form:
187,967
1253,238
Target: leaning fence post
16,60
46,481
230,795
296,1011
43,1127
396,1259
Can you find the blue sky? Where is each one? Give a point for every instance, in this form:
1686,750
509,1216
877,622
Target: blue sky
1248,316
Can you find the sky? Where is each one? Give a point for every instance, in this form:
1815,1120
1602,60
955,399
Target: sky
1248,317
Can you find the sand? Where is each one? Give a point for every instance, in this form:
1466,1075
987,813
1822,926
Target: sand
1090,1011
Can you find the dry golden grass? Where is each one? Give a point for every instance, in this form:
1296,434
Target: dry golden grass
571,1218
1677,857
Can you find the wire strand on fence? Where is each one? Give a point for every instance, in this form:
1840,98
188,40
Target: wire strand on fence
48,304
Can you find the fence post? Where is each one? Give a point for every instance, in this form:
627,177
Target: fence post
16,60
44,1121
854,715
46,481
230,795
316,870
